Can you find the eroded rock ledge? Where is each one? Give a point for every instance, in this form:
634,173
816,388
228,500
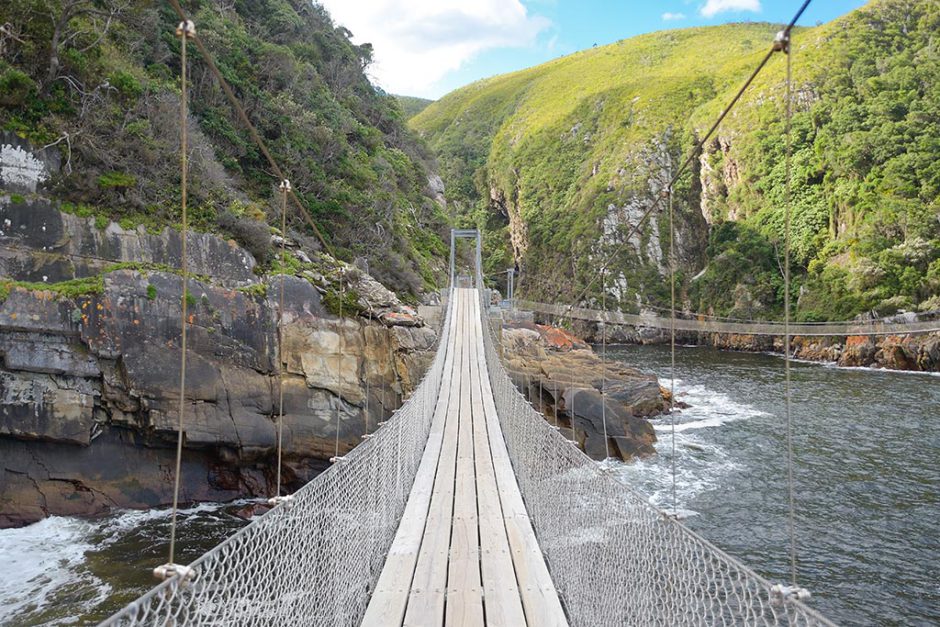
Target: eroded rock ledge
89,382
562,377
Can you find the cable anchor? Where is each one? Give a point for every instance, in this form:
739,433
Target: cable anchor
781,594
166,571
187,28
287,501
782,42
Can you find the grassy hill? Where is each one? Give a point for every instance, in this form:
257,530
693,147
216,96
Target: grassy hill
412,106
99,78
558,161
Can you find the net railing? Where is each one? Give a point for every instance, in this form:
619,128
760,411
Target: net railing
315,560
615,558
711,325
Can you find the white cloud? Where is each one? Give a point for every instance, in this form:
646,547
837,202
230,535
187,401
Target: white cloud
714,7
669,17
417,42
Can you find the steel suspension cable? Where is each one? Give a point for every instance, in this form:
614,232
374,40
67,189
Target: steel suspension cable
604,365
185,31
284,188
788,201
672,345
342,344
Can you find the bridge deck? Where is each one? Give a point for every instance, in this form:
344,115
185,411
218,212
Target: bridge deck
465,552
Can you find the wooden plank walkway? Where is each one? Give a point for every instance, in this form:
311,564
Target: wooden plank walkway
465,552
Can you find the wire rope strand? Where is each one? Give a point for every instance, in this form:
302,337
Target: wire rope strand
184,31
342,296
672,343
604,364
284,188
788,200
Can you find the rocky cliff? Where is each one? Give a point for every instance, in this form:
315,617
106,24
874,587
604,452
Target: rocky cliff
90,348
563,378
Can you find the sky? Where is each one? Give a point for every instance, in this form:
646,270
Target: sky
427,48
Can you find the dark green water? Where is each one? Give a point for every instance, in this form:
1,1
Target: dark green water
867,475
67,571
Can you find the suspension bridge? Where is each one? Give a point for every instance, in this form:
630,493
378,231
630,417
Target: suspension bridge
467,507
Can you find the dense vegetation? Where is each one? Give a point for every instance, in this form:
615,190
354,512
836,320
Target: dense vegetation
412,106
557,163
99,79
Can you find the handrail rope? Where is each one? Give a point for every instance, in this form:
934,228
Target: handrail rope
185,31
688,160
619,318
252,131
695,315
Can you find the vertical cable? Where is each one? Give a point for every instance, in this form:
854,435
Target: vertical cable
604,363
284,189
184,31
786,304
342,296
672,344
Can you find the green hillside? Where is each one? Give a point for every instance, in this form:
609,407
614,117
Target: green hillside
100,79
412,106
557,162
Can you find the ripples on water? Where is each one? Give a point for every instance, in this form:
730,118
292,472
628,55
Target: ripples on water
868,521
67,571
867,471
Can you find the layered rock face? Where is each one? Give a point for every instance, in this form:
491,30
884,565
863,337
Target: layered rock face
563,378
89,383
919,353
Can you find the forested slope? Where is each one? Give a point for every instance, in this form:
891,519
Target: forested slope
99,79
559,161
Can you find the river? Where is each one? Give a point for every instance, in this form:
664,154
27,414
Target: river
867,472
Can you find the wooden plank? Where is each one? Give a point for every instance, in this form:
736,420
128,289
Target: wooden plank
390,598
501,590
428,589
464,591
539,596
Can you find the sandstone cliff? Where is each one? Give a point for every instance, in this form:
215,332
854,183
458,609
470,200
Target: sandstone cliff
89,365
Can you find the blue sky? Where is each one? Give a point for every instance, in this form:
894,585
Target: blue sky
430,47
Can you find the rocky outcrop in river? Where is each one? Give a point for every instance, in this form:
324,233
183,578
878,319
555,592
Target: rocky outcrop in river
563,378
89,378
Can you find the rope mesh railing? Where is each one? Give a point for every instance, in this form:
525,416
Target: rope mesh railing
614,558
709,325
314,560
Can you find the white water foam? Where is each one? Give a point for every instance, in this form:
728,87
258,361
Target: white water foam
39,560
42,560
701,465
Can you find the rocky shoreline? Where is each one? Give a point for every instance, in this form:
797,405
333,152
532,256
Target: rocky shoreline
563,377
89,375
917,353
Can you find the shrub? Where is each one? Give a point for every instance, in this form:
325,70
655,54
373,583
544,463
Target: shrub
116,180
16,87
151,291
252,235
126,84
